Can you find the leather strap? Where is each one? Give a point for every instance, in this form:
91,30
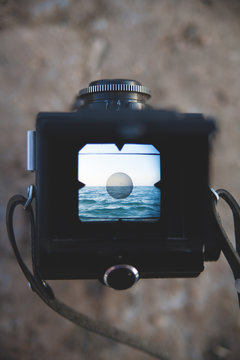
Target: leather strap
231,254
45,292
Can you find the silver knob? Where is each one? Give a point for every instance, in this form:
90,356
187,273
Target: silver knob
115,85
121,277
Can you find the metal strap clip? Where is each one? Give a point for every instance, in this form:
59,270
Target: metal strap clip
31,194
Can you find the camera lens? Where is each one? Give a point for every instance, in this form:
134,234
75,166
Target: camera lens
113,94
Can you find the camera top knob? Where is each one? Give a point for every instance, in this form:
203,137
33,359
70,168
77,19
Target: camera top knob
113,94
121,277
115,85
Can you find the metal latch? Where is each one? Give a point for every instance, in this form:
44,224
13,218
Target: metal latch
31,150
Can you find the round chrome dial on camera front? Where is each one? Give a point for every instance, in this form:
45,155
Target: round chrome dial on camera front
121,277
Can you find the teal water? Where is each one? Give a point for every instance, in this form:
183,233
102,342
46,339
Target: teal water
95,204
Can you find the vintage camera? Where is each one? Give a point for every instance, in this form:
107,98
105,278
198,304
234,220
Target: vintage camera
122,190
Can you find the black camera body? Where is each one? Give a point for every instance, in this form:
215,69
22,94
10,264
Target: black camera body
162,226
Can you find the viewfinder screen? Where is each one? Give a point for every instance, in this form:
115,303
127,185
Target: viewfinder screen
119,184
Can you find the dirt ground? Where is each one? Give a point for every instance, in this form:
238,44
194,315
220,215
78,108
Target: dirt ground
188,53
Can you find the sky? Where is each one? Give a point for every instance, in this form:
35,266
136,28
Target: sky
97,162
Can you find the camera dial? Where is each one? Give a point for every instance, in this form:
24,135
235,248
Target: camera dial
113,94
121,277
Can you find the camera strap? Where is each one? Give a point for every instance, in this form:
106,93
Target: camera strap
231,254
44,291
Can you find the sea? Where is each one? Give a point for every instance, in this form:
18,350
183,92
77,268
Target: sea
95,204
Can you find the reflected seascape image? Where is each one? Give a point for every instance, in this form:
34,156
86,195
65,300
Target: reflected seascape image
95,203
119,184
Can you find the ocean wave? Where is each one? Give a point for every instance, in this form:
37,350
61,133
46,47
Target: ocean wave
105,211
88,201
144,202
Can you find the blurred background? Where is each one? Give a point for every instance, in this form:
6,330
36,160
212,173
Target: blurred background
188,53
